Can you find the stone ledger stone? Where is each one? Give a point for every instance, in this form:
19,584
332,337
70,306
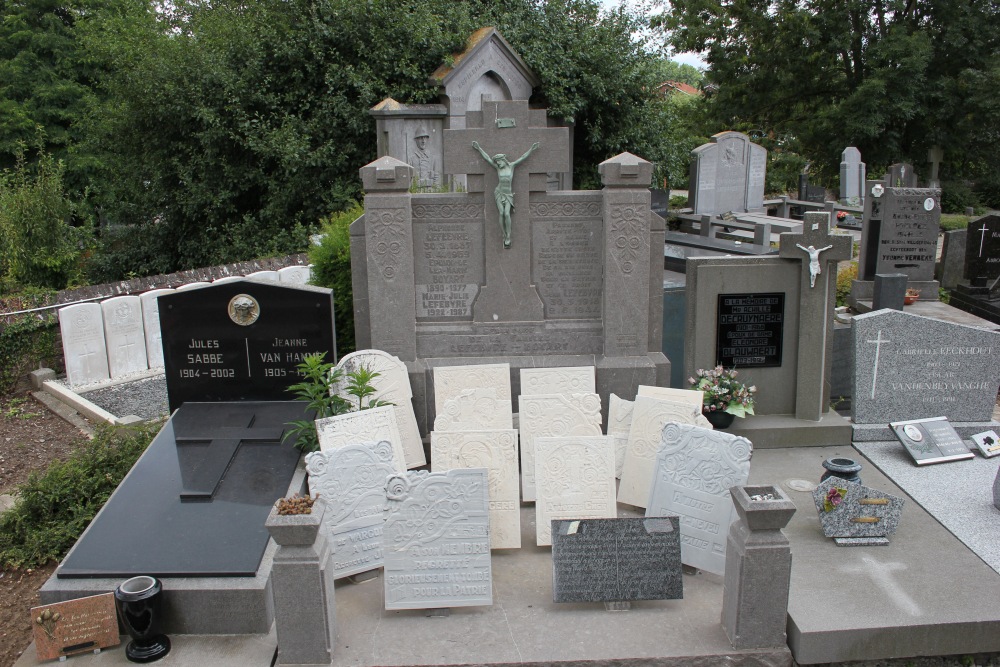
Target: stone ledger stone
86,355
375,424
695,469
351,482
649,417
575,479
911,367
439,519
553,415
392,385
151,326
124,335
608,560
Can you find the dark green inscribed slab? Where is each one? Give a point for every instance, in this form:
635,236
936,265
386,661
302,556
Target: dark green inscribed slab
183,510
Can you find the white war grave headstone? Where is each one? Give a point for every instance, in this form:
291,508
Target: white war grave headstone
124,335
84,349
151,326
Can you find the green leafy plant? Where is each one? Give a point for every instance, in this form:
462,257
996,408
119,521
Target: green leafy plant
331,260
319,377
723,392
53,508
24,342
845,276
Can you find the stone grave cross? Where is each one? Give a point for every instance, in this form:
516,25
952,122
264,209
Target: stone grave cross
819,251
509,128
207,445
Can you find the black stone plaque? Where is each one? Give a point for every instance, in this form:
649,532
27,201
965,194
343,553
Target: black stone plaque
750,330
608,560
982,249
185,511
241,341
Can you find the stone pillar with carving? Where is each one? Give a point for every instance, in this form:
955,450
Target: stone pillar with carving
758,568
388,232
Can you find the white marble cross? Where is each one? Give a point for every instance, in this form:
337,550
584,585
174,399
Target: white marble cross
878,349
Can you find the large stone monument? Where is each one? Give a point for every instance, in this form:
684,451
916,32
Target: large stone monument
852,177
727,174
580,284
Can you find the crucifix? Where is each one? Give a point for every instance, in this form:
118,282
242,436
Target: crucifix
207,444
878,349
815,305
505,130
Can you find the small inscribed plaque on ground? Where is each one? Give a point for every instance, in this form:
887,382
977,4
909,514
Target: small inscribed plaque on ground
608,560
931,440
75,626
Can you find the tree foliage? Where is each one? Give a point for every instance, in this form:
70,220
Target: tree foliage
892,77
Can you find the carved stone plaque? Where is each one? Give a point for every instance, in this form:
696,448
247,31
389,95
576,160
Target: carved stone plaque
450,381
567,380
553,415
372,425
575,479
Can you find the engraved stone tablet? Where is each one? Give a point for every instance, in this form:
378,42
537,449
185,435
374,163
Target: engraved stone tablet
437,540
568,380
75,626
450,381
151,326
619,424
686,396
86,355
553,415
575,479
351,480
649,417
372,425
695,469
124,335
473,410
497,452
392,385
606,560
296,275
864,515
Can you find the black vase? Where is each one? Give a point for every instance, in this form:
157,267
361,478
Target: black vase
843,468
139,601
719,419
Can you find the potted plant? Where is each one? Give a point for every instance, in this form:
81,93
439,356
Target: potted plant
293,521
911,296
724,397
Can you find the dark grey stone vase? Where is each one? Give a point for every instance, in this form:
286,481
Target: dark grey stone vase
843,468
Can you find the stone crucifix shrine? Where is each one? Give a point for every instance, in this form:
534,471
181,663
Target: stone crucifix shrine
579,284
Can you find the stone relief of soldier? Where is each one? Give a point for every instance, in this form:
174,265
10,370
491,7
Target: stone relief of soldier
424,162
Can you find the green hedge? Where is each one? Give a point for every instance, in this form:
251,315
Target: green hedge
331,261
25,343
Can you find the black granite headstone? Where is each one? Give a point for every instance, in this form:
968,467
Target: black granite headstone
242,341
982,249
609,560
195,502
749,330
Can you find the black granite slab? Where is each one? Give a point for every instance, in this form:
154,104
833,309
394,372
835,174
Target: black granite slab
749,330
242,340
147,527
606,560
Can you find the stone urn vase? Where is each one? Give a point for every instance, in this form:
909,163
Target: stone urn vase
139,601
843,468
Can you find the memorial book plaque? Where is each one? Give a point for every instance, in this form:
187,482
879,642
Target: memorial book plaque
749,330
75,626
932,440
242,340
988,443
436,540
609,560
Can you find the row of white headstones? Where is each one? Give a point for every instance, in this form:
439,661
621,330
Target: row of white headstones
120,336
568,466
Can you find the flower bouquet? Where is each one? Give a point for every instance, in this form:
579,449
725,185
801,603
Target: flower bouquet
722,392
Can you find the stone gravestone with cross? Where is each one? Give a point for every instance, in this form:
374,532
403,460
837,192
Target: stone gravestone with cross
771,318
580,283
979,292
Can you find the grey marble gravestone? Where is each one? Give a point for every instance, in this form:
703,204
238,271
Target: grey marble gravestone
910,367
579,286
351,480
727,174
609,560
951,269
852,177
695,468
437,540
856,515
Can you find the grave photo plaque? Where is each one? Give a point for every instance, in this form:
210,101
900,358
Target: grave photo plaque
931,440
242,340
750,330
610,560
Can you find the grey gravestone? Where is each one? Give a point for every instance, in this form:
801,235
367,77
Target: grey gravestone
195,502
907,235
242,340
982,249
695,468
852,177
727,175
910,367
901,175
437,540
351,481
951,269
856,515
890,291
810,193
607,560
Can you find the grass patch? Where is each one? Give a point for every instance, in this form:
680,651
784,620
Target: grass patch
54,507
950,221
